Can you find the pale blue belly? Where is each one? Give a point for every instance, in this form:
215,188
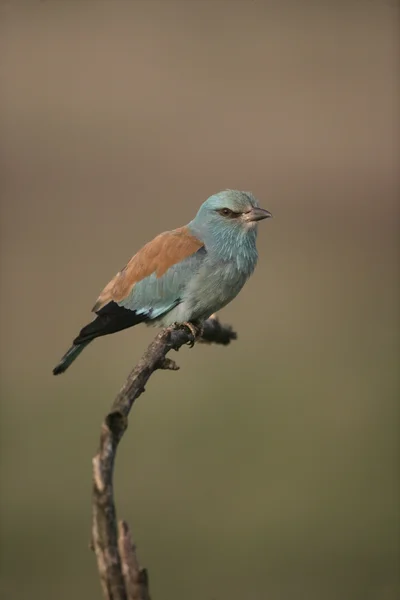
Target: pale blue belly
212,288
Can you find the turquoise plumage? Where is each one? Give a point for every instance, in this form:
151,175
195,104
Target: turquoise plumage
182,276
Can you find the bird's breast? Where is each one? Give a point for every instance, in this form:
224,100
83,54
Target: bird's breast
214,286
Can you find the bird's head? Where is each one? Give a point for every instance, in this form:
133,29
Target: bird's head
229,213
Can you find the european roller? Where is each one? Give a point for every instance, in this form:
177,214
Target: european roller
182,276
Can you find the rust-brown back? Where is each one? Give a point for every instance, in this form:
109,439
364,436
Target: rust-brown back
157,256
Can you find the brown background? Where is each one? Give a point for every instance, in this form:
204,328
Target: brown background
264,470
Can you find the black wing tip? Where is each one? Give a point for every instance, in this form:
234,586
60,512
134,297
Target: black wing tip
110,319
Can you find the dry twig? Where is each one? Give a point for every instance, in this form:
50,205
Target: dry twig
120,574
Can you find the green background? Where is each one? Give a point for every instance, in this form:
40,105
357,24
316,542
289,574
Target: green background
266,470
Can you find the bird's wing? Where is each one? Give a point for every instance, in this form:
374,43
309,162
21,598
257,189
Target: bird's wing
153,280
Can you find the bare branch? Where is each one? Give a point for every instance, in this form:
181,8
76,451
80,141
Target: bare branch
135,577
120,575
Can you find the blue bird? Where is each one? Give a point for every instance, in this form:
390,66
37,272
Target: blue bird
181,276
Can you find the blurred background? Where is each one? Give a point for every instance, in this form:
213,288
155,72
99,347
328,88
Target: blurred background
265,470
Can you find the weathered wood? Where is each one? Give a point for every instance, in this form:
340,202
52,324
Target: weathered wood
120,574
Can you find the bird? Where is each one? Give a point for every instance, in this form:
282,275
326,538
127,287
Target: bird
182,276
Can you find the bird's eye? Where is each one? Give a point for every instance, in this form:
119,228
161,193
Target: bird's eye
227,212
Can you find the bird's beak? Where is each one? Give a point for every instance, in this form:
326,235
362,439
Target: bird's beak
257,214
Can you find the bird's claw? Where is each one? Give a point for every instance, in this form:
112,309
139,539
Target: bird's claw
195,330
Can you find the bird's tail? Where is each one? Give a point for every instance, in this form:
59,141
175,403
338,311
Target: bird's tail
69,357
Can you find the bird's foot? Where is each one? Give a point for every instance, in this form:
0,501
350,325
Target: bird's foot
196,329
